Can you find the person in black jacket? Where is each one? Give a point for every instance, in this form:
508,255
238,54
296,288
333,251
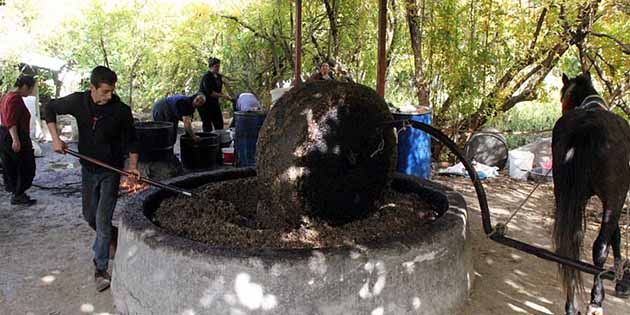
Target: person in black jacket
106,133
211,86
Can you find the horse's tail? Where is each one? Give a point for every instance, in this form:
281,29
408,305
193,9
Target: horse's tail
572,187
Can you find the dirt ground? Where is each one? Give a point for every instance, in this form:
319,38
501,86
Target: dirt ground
46,268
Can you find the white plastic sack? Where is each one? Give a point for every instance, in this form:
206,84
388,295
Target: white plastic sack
483,171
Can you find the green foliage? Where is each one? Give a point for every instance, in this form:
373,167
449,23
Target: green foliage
121,36
570,64
161,48
9,72
528,116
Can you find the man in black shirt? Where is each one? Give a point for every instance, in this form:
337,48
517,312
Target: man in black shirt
106,133
211,86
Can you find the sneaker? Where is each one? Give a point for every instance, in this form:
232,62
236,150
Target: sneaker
102,280
22,199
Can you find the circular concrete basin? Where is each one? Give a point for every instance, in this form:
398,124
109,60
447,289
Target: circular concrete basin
425,271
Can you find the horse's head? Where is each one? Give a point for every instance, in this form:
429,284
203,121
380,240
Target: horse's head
575,90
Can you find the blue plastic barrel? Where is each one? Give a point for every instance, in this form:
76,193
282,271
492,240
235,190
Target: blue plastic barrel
247,125
414,147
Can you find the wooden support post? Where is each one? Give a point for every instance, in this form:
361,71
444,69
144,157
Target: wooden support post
382,33
298,43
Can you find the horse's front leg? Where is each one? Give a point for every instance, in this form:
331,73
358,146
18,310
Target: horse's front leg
600,253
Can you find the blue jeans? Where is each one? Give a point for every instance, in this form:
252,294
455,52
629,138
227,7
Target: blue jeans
99,196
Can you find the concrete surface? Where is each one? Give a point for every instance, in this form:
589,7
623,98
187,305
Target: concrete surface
427,271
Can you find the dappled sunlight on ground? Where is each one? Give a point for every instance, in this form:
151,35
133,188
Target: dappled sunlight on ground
46,260
46,266
508,281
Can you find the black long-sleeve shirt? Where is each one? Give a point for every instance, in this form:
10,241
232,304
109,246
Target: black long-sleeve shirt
106,132
211,83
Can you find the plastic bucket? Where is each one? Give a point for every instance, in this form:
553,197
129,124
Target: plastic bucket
228,156
225,140
520,163
247,125
414,147
202,154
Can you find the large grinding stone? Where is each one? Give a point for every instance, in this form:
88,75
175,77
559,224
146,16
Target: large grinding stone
323,151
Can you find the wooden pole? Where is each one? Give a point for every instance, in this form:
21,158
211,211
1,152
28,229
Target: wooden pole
382,32
298,43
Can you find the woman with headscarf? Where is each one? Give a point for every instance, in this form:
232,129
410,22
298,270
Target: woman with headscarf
16,149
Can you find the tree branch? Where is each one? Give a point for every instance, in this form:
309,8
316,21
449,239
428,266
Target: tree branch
625,48
322,55
624,107
600,74
331,14
249,27
539,25
394,25
104,52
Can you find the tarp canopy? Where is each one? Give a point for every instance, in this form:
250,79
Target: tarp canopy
42,61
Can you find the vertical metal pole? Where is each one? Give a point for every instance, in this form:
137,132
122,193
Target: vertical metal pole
298,43
382,32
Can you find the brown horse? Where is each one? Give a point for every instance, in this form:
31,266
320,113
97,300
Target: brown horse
591,153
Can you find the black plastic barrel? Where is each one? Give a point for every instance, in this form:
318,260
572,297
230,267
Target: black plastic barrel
199,155
155,140
247,126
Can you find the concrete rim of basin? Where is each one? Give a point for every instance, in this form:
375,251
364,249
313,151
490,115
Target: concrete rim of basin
442,245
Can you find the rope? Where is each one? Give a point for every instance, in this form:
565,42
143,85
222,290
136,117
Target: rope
381,145
379,149
501,228
406,124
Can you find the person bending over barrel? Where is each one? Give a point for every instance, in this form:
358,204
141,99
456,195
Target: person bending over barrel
178,108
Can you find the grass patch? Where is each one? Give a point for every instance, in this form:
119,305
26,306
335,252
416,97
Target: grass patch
527,116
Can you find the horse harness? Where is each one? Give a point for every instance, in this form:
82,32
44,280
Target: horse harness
593,102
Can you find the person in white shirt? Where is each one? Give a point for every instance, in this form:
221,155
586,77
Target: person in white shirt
246,102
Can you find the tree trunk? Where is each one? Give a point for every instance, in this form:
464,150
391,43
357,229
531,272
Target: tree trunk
415,19
132,76
331,14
